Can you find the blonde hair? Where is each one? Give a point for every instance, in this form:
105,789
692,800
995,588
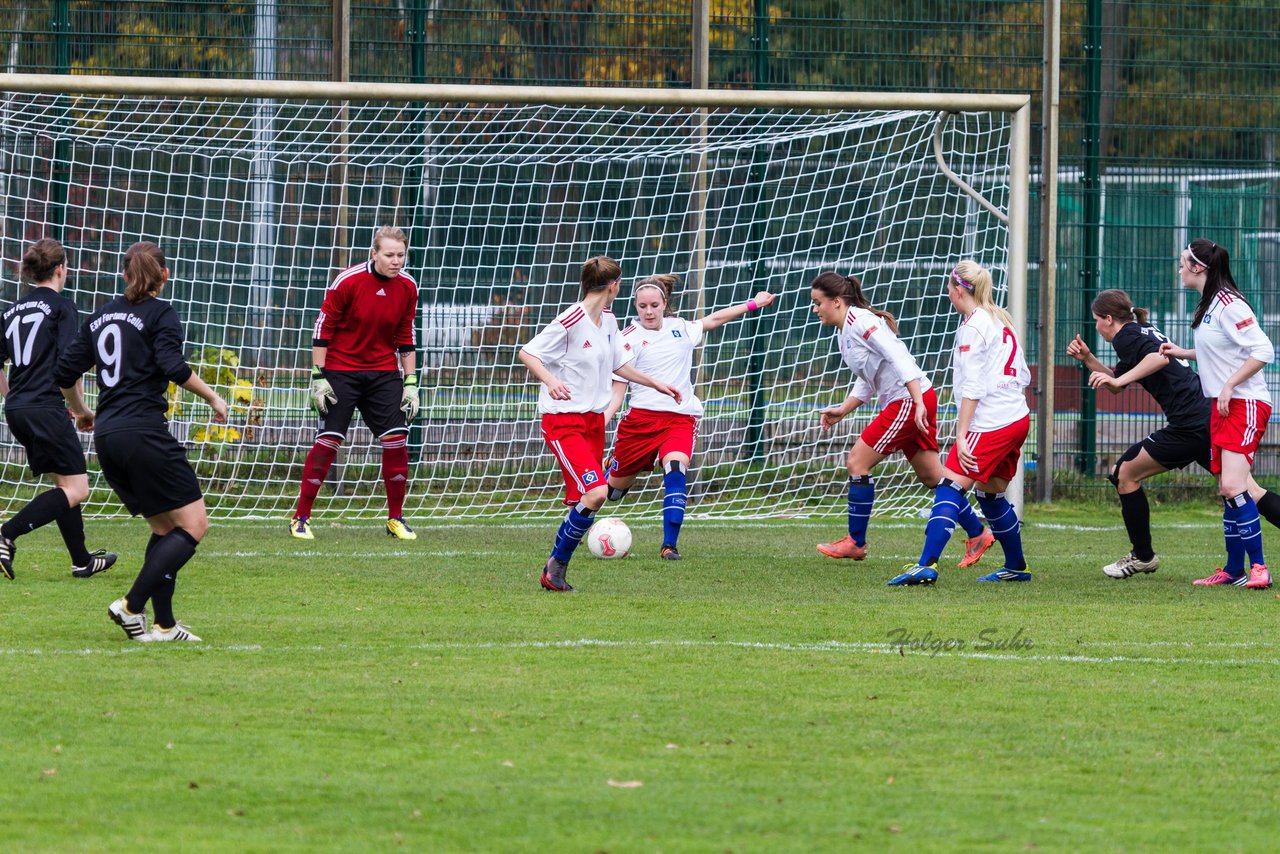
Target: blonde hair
664,282
976,279
387,232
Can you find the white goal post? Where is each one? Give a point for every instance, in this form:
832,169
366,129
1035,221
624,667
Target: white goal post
260,192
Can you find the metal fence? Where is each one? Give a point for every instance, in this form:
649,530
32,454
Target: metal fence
1170,110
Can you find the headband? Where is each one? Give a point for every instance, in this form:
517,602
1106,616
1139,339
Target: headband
659,288
1192,253
955,277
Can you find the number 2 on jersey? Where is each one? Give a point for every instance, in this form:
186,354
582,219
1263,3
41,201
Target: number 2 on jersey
1009,369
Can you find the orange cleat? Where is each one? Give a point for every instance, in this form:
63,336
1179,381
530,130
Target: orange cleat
845,548
976,547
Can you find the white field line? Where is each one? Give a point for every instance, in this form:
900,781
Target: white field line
585,643
762,524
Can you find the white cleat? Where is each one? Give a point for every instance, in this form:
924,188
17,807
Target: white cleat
179,632
1130,565
134,625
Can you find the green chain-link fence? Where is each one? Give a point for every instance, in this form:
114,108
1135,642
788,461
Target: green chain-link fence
1170,110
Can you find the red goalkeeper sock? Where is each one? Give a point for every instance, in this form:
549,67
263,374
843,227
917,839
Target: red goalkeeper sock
395,472
314,471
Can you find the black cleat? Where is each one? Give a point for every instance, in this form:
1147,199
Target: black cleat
669,552
7,550
99,561
553,577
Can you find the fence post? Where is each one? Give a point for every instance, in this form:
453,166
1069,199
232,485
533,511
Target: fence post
1091,181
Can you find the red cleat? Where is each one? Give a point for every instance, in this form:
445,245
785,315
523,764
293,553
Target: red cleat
976,547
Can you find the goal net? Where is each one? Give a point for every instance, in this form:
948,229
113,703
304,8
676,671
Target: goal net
259,202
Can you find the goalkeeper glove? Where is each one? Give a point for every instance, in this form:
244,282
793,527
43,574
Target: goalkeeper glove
321,392
409,400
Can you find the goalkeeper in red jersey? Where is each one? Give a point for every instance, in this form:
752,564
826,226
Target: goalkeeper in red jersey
363,357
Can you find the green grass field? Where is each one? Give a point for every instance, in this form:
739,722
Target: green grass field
362,694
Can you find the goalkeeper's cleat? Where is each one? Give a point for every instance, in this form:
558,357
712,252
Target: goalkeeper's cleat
134,625
398,528
1221,576
1004,574
976,547
300,527
7,550
844,548
1130,565
669,552
99,561
177,632
1259,577
553,577
914,575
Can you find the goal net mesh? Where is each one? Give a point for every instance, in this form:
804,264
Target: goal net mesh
259,203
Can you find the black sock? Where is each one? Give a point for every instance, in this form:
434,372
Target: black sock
164,558
71,525
40,511
1269,507
1137,521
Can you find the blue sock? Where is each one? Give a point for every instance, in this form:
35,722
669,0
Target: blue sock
575,525
946,504
1231,535
1249,527
676,484
1005,526
969,520
862,494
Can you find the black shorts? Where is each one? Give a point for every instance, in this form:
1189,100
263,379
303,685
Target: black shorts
377,394
148,469
49,435
1179,447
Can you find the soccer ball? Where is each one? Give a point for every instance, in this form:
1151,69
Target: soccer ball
609,539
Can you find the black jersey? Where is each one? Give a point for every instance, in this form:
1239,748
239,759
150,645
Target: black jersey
138,352
36,331
1176,387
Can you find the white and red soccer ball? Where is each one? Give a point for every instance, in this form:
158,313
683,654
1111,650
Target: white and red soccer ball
609,539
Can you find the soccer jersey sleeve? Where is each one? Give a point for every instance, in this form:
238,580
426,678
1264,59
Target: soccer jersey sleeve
1239,323
166,344
405,337
75,359
972,352
693,330
862,390
879,338
68,325
332,310
623,352
549,343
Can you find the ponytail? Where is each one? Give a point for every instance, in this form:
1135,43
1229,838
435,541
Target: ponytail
1217,275
144,271
976,279
39,262
848,288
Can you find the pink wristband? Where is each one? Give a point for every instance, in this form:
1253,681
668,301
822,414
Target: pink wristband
752,305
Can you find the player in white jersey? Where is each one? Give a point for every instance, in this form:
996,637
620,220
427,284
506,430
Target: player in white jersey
656,427
576,357
1231,349
989,375
886,372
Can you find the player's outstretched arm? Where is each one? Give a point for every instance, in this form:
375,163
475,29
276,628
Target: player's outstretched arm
1080,351
1173,351
617,394
833,415
719,318
200,388
1150,364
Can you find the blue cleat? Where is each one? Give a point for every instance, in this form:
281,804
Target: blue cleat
1007,575
915,575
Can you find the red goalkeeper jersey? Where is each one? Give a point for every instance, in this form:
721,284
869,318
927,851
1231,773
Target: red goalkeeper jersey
366,320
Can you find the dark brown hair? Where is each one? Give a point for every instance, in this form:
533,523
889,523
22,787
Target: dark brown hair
598,273
39,262
1217,275
144,271
664,282
849,288
1116,303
